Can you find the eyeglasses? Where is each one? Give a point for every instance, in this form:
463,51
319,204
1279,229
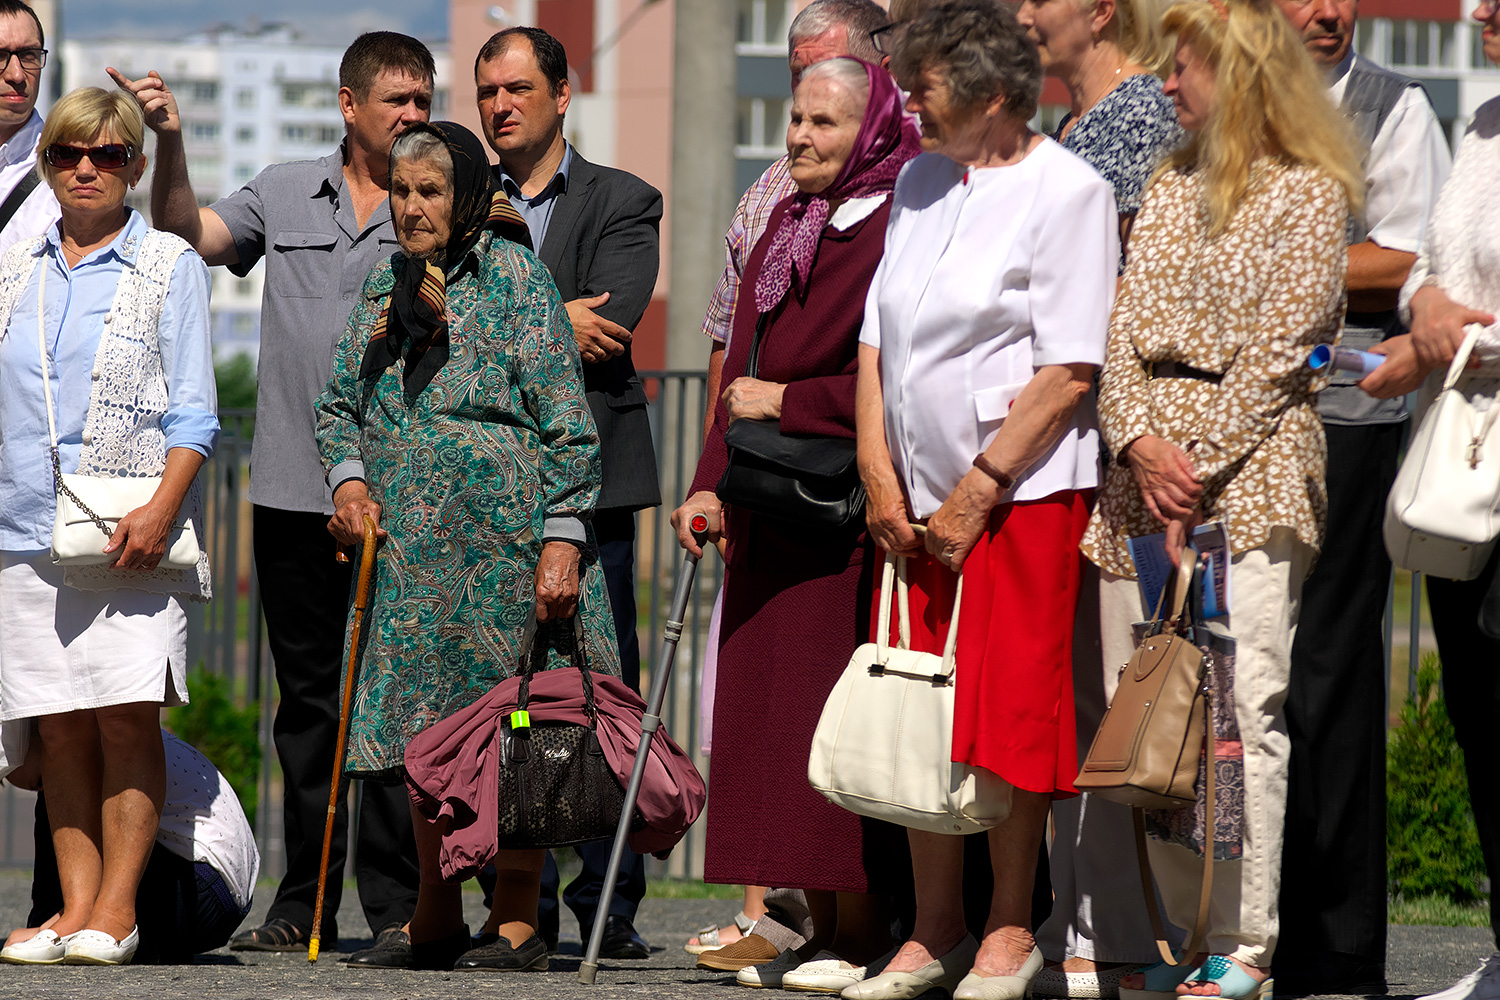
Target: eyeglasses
882,39
31,59
110,156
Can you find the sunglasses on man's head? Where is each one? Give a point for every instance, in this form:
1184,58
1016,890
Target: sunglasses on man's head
110,156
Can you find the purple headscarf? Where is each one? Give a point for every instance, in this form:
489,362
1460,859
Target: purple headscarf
886,140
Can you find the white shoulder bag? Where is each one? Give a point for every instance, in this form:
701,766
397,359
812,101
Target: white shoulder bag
1441,517
884,744
88,507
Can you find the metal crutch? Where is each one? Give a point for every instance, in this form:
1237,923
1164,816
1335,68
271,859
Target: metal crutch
361,601
650,723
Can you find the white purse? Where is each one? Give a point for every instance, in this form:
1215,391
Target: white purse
1443,513
884,744
88,507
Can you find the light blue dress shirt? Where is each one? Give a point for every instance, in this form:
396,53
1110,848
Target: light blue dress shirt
77,302
538,211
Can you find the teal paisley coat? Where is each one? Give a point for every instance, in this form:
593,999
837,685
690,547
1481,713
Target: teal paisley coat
466,475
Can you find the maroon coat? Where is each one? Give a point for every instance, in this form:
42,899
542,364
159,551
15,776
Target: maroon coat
796,602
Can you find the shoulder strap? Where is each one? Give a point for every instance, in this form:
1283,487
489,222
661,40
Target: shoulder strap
18,194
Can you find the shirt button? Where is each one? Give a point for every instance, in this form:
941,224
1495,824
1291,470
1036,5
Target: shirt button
109,317
88,438
94,374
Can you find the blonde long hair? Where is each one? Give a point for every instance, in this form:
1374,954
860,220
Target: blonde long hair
1269,98
1136,29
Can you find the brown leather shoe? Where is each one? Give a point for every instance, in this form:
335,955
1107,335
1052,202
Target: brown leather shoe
752,949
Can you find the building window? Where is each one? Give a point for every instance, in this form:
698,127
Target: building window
296,133
329,133
760,127
245,97
203,131
243,172
203,91
245,134
1421,44
762,23
308,95
439,103
244,287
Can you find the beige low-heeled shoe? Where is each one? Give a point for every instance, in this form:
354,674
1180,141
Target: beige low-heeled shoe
943,973
976,987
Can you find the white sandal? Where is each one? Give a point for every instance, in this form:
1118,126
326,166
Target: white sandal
708,937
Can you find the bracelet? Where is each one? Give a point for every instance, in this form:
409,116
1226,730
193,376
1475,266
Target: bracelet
989,468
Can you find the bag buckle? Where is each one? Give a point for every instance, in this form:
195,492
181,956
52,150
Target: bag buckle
877,669
1472,454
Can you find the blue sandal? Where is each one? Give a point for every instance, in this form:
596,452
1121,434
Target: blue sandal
1161,983
1234,982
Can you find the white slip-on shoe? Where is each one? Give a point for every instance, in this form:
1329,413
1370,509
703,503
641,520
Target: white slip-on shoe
826,973
975,987
1481,984
44,948
1101,984
767,975
91,947
942,973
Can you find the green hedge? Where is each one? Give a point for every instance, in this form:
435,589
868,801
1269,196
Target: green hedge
227,736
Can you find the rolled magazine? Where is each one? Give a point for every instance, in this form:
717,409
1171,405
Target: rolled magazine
1343,359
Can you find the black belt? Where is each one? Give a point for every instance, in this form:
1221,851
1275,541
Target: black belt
1176,369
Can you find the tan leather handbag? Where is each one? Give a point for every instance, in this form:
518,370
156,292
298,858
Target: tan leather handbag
1149,743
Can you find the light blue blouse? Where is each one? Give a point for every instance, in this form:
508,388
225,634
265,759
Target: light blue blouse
77,302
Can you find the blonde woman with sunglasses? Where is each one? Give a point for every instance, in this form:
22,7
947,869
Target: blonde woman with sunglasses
104,334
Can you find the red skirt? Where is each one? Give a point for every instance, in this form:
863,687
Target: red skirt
1013,711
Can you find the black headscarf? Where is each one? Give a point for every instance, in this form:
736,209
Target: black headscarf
416,311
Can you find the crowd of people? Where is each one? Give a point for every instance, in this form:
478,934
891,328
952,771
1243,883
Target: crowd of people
1039,350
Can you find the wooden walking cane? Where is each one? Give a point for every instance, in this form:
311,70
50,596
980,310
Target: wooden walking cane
361,601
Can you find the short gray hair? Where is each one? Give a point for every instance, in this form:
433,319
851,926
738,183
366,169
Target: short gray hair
423,145
979,49
857,17
847,72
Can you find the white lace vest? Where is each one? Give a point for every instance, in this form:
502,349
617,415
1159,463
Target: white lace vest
122,433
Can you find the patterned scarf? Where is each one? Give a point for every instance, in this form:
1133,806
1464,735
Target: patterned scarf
415,316
886,140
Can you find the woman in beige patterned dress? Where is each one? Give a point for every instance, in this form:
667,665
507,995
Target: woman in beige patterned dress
1206,405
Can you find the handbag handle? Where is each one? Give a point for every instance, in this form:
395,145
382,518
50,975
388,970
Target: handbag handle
537,658
41,344
894,572
1461,358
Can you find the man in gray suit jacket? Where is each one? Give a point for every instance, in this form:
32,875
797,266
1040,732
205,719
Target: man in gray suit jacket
596,229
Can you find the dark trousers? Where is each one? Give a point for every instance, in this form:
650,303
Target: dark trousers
176,917
1471,691
1333,881
614,530
305,594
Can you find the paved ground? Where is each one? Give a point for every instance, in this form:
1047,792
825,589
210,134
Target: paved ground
1422,959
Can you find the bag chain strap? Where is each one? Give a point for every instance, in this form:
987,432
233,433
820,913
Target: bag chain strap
41,343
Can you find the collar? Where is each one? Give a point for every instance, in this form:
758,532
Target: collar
22,145
855,210
125,247
1340,73
557,185
333,179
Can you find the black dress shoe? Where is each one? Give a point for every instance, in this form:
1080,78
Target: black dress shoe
280,934
392,950
501,956
620,939
440,954
1330,973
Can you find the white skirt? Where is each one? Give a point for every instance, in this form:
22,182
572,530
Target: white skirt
62,650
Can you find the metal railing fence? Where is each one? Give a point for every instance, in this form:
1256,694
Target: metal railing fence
227,636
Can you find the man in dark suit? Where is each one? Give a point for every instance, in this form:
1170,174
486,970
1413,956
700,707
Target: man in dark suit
596,230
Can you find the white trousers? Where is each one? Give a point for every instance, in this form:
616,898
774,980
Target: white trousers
1267,586
1098,911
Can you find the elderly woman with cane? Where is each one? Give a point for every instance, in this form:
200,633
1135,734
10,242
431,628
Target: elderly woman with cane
106,371
456,420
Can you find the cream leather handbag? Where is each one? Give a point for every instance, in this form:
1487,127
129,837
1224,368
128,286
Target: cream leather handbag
884,744
1443,513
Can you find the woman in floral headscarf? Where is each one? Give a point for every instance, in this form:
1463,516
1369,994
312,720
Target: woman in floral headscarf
797,601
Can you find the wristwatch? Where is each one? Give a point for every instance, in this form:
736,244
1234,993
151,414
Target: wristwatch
989,468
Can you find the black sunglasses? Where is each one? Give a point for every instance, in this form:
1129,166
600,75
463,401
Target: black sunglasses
110,156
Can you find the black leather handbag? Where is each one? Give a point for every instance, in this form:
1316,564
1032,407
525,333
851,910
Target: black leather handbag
808,481
556,785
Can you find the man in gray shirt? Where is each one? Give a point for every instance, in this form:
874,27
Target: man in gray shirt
320,225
